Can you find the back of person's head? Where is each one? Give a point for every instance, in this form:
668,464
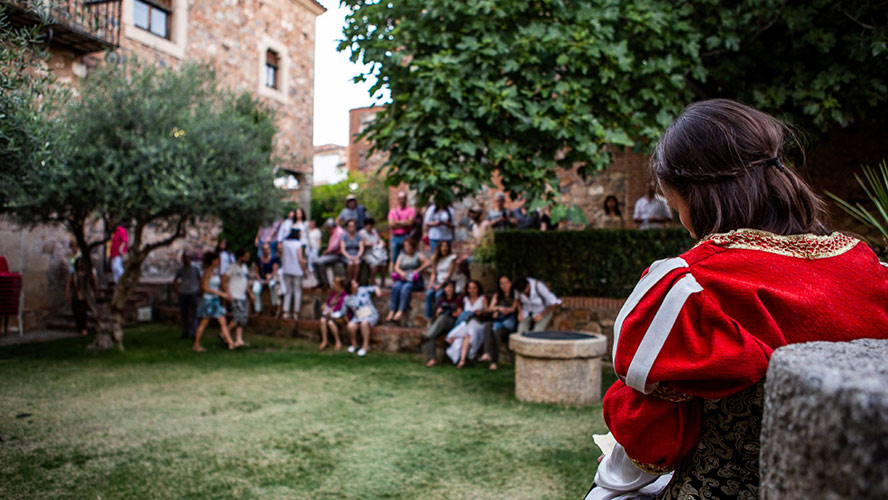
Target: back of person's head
208,259
729,162
240,253
330,223
294,234
520,284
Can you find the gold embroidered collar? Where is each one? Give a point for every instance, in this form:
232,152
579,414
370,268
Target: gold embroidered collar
802,246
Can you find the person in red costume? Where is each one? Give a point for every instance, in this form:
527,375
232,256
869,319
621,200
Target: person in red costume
693,341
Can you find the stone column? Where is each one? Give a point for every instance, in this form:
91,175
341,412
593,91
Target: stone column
558,371
825,423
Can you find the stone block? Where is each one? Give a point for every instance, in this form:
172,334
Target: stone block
825,423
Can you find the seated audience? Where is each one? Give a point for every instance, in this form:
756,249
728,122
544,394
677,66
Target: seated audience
333,314
466,338
406,277
448,308
498,216
505,309
443,267
352,211
331,255
363,315
538,304
522,218
613,218
352,247
375,254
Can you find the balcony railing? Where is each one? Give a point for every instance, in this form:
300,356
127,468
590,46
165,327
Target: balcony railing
82,26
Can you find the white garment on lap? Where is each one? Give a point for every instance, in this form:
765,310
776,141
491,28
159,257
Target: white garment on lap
473,330
618,478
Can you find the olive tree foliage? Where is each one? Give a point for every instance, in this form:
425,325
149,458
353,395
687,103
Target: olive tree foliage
27,101
151,148
522,87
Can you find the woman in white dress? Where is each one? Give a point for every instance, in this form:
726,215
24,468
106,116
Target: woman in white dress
467,338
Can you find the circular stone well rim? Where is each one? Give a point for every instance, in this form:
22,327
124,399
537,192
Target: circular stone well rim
593,347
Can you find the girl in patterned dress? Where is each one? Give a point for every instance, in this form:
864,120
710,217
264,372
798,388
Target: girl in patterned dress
363,315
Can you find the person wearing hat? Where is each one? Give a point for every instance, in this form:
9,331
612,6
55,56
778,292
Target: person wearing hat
352,211
498,215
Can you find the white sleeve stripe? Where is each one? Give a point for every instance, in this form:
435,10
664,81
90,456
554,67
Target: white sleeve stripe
657,271
656,335
884,263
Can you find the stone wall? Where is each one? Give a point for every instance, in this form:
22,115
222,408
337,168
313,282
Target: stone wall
825,425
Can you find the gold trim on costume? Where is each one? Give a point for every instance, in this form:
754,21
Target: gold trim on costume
802,246
650,468
670,394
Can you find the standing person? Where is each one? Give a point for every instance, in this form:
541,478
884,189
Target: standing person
293,269
651,210
226,258
211,303
364,315
447,309
235,280
374,251
498,215
443,267
300,222
613,218
352,211
439,225
186,282
267,234
78,281
400,221
119,248
286,227
333,314
331,255
479,229
765,273
538,304
313,251
406,277
467,338
265,273
505,308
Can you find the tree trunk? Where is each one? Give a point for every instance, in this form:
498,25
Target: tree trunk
110,320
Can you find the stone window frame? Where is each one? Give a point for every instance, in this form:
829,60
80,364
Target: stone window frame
178,30
280,93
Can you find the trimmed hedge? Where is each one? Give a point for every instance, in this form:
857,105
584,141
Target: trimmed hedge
592,262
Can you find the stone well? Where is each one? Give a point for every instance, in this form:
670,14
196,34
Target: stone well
825,423
558,367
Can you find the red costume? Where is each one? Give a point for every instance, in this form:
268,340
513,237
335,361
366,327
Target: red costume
700,329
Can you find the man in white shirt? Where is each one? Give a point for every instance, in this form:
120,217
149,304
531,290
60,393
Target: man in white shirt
235,281
538,305
651,210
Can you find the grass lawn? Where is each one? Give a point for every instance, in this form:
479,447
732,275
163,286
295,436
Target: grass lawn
276,420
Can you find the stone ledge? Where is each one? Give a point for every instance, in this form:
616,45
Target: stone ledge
594,347
825,423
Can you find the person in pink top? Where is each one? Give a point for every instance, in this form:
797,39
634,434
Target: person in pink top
331,255
119,247
401,224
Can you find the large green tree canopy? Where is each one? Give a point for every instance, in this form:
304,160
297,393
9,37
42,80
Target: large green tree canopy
522,87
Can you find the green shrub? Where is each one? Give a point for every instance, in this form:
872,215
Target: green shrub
593,262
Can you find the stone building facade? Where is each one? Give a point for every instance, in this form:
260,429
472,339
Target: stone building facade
265,47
